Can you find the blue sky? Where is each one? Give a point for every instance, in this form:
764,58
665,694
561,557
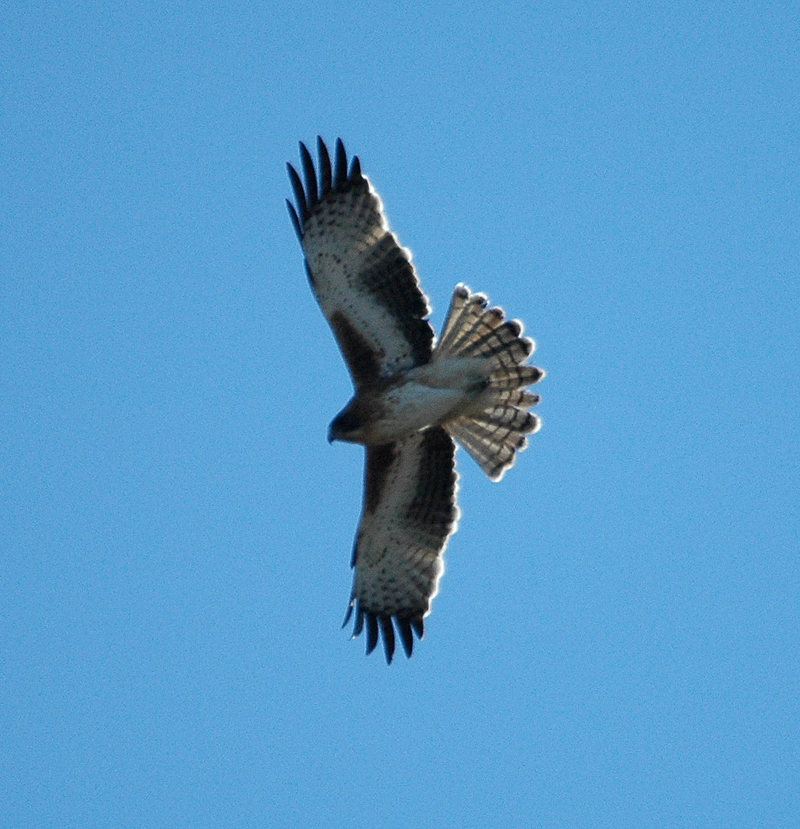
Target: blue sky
616,637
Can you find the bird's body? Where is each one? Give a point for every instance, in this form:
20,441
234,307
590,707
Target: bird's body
427,395
413,395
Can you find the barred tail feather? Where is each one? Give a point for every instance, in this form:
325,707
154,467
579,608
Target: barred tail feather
510,397
464,316
473,330
493,447
498,431
453,322
516,377
492,458
503,344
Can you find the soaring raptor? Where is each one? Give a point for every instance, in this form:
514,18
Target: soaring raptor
413,395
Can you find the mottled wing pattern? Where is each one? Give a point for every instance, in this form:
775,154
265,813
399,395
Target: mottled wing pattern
363,279
409,513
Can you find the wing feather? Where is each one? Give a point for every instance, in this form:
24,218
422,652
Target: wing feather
295,220
409,514
372,632
324,165
361,276
312,192
299,195
406,636
341,164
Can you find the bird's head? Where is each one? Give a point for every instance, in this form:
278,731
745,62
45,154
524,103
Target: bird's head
348,425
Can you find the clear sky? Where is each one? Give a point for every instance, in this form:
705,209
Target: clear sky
616,638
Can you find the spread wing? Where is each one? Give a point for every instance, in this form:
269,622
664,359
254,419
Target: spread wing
363,279
409,513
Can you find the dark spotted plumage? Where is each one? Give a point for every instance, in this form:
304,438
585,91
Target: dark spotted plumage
410,490
368,290
334,213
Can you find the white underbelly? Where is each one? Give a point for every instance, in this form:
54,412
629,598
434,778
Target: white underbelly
410,407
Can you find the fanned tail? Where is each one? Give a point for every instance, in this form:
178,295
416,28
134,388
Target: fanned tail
498,431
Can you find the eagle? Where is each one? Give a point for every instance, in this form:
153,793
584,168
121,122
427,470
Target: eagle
414,395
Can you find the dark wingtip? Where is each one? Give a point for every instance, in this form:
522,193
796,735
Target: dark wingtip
340,172
359,623
313,187
372,632
355,170
312,191
299,193
295,220
349,612
380,627
388,637
325,167
406,636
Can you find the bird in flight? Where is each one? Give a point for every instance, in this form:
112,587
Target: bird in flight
414,395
